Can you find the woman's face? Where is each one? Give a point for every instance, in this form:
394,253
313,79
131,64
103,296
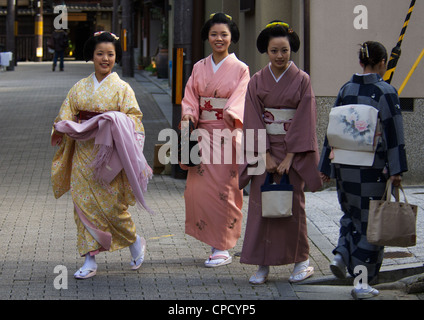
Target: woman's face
279,53
104,58
219,38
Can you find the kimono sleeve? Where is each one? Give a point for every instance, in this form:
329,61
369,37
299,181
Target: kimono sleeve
130,107
67,111
62,161
393,133
253,122
234,111
190,103
301,136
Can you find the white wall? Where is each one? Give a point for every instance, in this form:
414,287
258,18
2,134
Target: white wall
334,41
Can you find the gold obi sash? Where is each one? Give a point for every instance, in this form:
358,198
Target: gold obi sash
212,108
277,121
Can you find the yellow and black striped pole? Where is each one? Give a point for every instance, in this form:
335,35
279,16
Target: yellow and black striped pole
396,51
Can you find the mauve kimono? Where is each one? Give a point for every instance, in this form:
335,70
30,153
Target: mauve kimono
212,197
279,241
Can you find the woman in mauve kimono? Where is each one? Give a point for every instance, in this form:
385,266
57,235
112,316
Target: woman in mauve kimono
100,211
357,184
279,99
214,100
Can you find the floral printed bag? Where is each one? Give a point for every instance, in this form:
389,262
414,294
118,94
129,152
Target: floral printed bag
352,133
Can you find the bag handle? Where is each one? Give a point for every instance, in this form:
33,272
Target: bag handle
191,125
403,191
270,179
388,193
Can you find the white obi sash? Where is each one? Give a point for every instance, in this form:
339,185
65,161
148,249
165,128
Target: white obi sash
212,108
352,133
277,121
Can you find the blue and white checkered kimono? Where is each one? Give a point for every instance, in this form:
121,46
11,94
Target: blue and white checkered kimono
356,185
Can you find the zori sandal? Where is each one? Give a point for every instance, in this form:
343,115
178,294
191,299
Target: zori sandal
296,277
219,258
261,276
137,262
85,273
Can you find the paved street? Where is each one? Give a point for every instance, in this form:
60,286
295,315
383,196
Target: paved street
38,233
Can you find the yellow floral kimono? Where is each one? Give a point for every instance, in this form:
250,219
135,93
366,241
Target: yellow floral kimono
98,209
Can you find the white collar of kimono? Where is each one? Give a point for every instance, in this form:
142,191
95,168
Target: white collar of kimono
275,78
215,67
97,83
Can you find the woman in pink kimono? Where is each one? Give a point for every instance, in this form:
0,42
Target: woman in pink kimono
214,100
280,99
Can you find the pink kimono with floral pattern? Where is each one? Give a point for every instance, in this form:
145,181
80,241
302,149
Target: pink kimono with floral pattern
212,197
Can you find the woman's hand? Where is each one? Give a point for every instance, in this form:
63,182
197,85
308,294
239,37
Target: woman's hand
324,177
396,179
271,165
56,138
188,117
285,165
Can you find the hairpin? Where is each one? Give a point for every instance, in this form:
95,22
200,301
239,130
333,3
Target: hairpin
274,24
364,50
112,34
228,16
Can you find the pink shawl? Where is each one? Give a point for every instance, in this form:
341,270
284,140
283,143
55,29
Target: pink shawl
118,148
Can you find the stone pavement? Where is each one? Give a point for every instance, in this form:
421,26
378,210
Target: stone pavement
38,234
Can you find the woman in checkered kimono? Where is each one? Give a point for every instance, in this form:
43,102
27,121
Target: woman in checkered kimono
356,185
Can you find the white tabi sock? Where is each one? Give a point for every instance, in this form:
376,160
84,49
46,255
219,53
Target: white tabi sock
299,266
135,248
89,263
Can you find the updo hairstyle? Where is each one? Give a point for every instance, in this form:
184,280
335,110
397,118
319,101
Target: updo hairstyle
371,53
275,29
221,18
99,37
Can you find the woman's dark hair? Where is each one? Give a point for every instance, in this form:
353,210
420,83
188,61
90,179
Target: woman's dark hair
372,53
277,29
221,18
99,37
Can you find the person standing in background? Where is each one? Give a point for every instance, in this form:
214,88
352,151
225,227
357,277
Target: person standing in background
59,44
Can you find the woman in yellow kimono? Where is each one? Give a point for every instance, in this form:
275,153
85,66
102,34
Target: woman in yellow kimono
103,222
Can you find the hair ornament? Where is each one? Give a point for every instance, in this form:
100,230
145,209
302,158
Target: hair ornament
98,33
274,24
364,50
228,16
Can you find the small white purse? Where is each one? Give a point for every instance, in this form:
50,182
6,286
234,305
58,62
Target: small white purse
277,199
